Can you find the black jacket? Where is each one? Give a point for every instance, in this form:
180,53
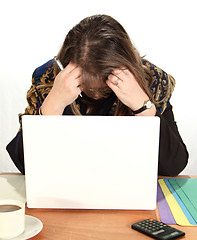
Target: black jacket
173,155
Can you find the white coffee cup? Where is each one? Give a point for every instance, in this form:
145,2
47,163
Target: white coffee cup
12,218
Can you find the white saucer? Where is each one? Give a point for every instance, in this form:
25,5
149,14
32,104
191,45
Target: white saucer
32,227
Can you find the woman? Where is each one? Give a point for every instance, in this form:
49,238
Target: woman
105,75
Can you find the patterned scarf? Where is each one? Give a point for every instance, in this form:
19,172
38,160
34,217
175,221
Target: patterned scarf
43,77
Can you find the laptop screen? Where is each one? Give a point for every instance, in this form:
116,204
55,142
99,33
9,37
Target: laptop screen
91,162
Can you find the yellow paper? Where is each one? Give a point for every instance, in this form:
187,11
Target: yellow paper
176,210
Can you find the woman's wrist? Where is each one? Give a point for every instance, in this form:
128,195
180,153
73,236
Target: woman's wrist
50,111
148,111
51,107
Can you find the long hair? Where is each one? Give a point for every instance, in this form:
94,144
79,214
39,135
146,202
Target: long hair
99,45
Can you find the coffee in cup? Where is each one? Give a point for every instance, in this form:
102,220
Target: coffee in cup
12,218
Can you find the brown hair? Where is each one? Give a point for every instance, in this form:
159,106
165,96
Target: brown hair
99,44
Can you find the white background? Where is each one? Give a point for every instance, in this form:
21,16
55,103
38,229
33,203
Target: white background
32,32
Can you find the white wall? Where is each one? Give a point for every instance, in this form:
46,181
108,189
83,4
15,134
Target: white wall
32,32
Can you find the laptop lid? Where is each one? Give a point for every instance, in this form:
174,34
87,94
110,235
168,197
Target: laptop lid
91,162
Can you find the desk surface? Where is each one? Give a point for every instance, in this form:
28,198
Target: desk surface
95,224
65,224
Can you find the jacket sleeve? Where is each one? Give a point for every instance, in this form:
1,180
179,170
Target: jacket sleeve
15,150
173,154
15,147
42,81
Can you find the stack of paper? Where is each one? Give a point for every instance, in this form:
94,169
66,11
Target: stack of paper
177,201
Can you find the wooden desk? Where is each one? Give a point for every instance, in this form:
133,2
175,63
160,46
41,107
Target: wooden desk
96,224
64,224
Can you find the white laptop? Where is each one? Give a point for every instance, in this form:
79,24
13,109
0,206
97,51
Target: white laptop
91,162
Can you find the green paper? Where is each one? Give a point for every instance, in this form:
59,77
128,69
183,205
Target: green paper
186,189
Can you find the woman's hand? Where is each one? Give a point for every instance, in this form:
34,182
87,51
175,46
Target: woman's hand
65,90
129,92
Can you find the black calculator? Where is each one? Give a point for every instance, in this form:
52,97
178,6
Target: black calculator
157,230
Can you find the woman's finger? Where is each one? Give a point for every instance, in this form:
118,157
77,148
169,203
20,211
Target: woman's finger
113,87
114,79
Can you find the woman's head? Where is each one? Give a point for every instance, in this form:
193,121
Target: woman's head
99,45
